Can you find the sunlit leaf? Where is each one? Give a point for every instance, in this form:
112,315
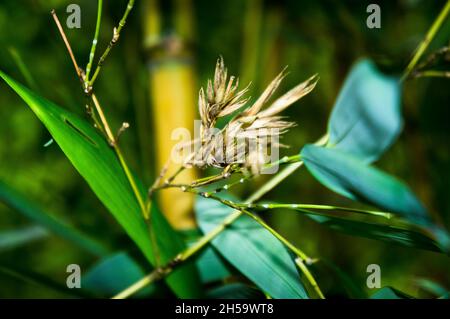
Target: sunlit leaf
95,160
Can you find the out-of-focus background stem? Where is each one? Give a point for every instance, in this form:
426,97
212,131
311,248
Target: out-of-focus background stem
172,89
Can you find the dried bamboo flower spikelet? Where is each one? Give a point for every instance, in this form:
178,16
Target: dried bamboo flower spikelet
247,137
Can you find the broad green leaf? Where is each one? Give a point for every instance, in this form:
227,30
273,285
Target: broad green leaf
366,118
10,239
390,293
94,159
30,210
348,176
113,274
255,252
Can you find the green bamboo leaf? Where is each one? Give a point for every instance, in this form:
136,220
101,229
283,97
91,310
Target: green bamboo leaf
24,206
366,118
365,223
94,159
10,239
255,252
348,176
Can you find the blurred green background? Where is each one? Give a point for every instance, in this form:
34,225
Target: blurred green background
257,39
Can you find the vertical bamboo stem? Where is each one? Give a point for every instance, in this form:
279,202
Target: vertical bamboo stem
173,97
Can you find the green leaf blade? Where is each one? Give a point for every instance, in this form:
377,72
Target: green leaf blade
253,251
346,175
97,163
366,118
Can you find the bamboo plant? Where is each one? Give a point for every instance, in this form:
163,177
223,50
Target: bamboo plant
365,121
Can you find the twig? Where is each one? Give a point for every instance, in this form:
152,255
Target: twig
206,239
427,40
431,59
160,272
110,136
163,172
432,73
87,85
115,38
202,242
66,42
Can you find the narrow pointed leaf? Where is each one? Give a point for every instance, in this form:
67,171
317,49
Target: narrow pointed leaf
94,159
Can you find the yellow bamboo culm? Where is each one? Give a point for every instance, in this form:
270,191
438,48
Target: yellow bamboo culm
172,81
173,107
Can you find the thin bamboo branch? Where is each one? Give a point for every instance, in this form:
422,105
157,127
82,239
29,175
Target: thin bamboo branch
110,136
199,245
427,40
68,47
115,38
307,207
94,45
206,239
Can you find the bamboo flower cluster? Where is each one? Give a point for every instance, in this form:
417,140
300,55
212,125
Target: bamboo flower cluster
249,136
